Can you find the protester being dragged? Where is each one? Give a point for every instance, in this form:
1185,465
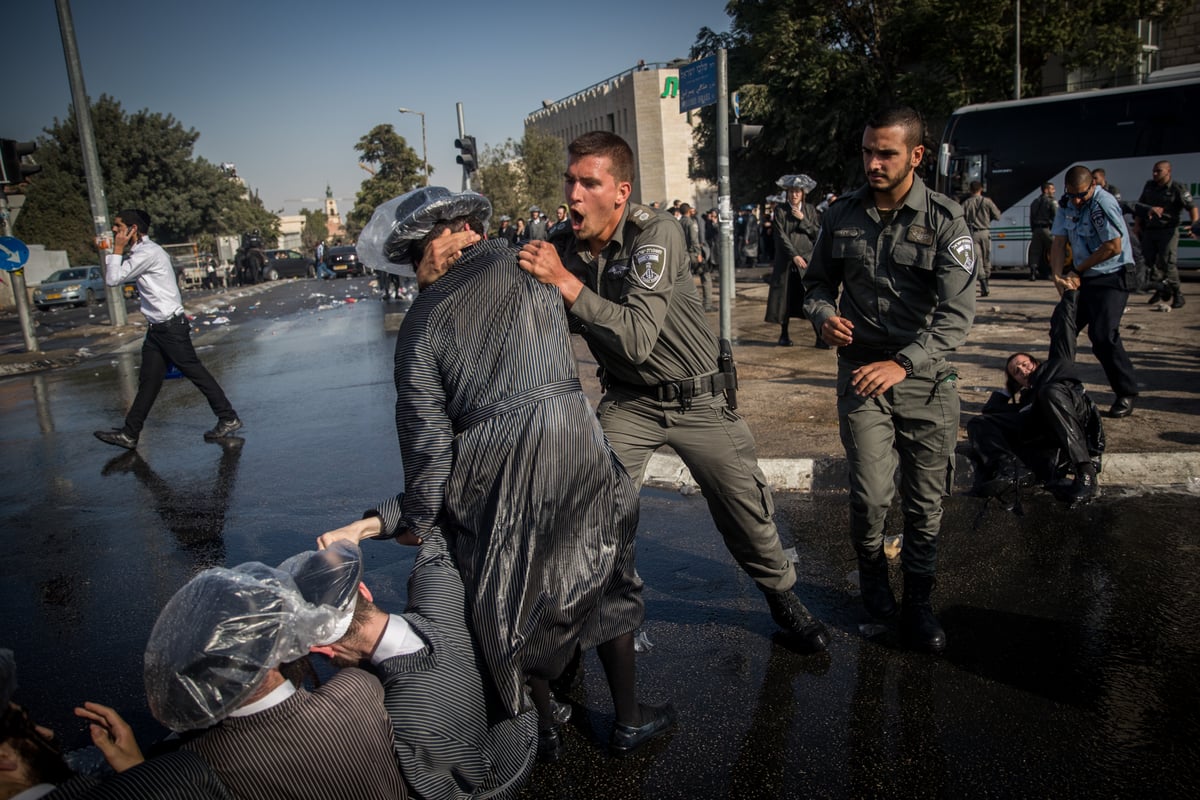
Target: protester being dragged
440,703
1042,426
796,226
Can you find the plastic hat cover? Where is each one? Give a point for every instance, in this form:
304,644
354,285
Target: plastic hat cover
407,218
218,636
328,578
801,182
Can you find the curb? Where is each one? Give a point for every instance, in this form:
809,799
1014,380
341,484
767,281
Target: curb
1132,471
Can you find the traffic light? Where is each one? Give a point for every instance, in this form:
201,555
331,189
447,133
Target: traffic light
468,157
11,168
740,135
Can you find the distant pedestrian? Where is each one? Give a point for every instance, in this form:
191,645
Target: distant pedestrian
536,230
1091,221
1041,219
980,212
695,249
168,336
1159,211
323,270
748,242
796,227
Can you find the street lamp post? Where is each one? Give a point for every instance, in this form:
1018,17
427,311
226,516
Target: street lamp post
424,152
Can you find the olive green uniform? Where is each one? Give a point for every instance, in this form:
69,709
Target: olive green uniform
1160,235
908,287
642,319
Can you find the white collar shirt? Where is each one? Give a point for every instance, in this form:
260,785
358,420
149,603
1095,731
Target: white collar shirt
150,266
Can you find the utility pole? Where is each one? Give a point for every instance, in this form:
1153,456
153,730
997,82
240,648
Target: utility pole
91,159
1017,67
724,203
424,151
20,295
462,131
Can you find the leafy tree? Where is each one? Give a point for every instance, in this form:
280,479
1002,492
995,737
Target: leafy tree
146,162
517,175
501,178
314,228
395,169
813,72
544,158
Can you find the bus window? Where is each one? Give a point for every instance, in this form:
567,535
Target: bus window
964,170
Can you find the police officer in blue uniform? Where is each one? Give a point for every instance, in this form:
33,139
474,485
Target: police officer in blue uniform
1090,218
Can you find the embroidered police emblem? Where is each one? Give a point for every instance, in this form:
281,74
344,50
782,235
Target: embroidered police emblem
641,215
649,264
617,269
963,253
919,235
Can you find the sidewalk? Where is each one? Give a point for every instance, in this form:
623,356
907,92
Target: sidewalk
786,394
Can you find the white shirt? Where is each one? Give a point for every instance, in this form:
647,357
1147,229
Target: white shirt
398,639
272,698
150,265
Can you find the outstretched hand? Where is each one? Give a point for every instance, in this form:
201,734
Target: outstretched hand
360,529
441,254
112,735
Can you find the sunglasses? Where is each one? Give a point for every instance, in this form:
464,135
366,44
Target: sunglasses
1076,195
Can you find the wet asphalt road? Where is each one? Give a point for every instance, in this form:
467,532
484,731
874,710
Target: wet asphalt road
1073,656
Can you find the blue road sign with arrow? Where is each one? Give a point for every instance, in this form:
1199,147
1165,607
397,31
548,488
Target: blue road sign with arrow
13,253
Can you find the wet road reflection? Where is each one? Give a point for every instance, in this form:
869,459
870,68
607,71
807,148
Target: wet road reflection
1073,637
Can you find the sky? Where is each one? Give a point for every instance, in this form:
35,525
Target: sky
284,89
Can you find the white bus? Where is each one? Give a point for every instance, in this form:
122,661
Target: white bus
1013,147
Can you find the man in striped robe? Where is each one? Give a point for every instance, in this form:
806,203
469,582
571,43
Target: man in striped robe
504,456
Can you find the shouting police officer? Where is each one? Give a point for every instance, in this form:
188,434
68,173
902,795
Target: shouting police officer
629,288
904,261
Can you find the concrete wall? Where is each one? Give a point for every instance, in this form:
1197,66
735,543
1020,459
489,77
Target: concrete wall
1181,41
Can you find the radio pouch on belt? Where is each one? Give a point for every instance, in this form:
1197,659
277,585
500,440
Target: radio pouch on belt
726,367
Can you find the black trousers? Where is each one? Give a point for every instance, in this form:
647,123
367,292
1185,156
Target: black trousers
1101,302
169,343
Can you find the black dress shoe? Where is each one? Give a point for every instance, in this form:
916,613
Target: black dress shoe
784,341
550,747
1122,408
1083,490
118,437
627,738
223,429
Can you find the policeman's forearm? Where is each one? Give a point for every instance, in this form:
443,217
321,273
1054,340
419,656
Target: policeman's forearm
1104,252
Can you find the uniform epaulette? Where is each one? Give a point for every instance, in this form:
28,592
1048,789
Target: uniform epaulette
641,215
945,202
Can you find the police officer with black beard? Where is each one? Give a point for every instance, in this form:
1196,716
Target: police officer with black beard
1159,212
903,260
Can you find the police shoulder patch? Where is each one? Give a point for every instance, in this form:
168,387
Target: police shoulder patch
648,264
962,251
640,215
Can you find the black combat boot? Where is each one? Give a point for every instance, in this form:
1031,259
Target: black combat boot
983,288
918,624
1176,298
877,594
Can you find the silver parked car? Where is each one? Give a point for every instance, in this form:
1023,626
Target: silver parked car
79,286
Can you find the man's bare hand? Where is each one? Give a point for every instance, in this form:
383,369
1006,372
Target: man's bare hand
1065,283
540,259
112,735
872,380
837,331
441,254
799,262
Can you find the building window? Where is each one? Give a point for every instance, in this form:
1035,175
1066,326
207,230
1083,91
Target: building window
612,123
